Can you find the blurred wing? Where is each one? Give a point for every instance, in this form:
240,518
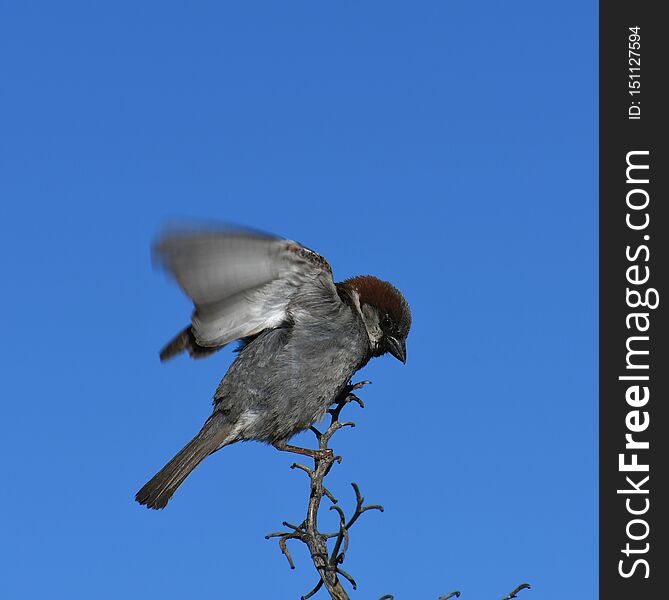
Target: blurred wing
241,283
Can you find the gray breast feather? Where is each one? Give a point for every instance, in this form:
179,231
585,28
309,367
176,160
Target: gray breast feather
291,375
240,282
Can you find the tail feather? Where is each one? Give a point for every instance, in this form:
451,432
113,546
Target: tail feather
157,492
185,340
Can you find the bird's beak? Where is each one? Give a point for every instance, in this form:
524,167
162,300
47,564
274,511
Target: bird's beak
397,349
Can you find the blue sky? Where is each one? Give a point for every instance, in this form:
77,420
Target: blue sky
449,147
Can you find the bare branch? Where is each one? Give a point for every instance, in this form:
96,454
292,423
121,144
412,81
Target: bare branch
350,579
330,496
317,587
359,508
307,470
513,594
342,536
284,549
326,563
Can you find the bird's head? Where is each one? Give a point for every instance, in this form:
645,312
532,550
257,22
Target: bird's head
385,312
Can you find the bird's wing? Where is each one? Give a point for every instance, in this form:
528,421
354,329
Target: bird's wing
240,282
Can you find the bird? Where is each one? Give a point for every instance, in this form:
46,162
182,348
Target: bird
301,337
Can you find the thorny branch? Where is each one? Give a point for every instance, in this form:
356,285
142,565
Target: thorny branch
328,563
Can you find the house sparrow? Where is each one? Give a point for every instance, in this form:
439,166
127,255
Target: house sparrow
302,335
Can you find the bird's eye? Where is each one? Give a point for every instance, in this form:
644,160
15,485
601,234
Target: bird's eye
386,321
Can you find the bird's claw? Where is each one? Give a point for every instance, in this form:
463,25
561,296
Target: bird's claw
354,398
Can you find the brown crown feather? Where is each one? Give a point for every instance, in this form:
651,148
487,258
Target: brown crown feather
383,295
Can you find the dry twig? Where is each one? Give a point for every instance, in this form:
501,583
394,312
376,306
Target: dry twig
513,594
328,563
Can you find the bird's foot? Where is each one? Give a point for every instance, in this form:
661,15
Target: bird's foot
347,396
325,454
356,386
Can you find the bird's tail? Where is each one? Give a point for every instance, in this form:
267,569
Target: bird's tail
185,340
157,492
